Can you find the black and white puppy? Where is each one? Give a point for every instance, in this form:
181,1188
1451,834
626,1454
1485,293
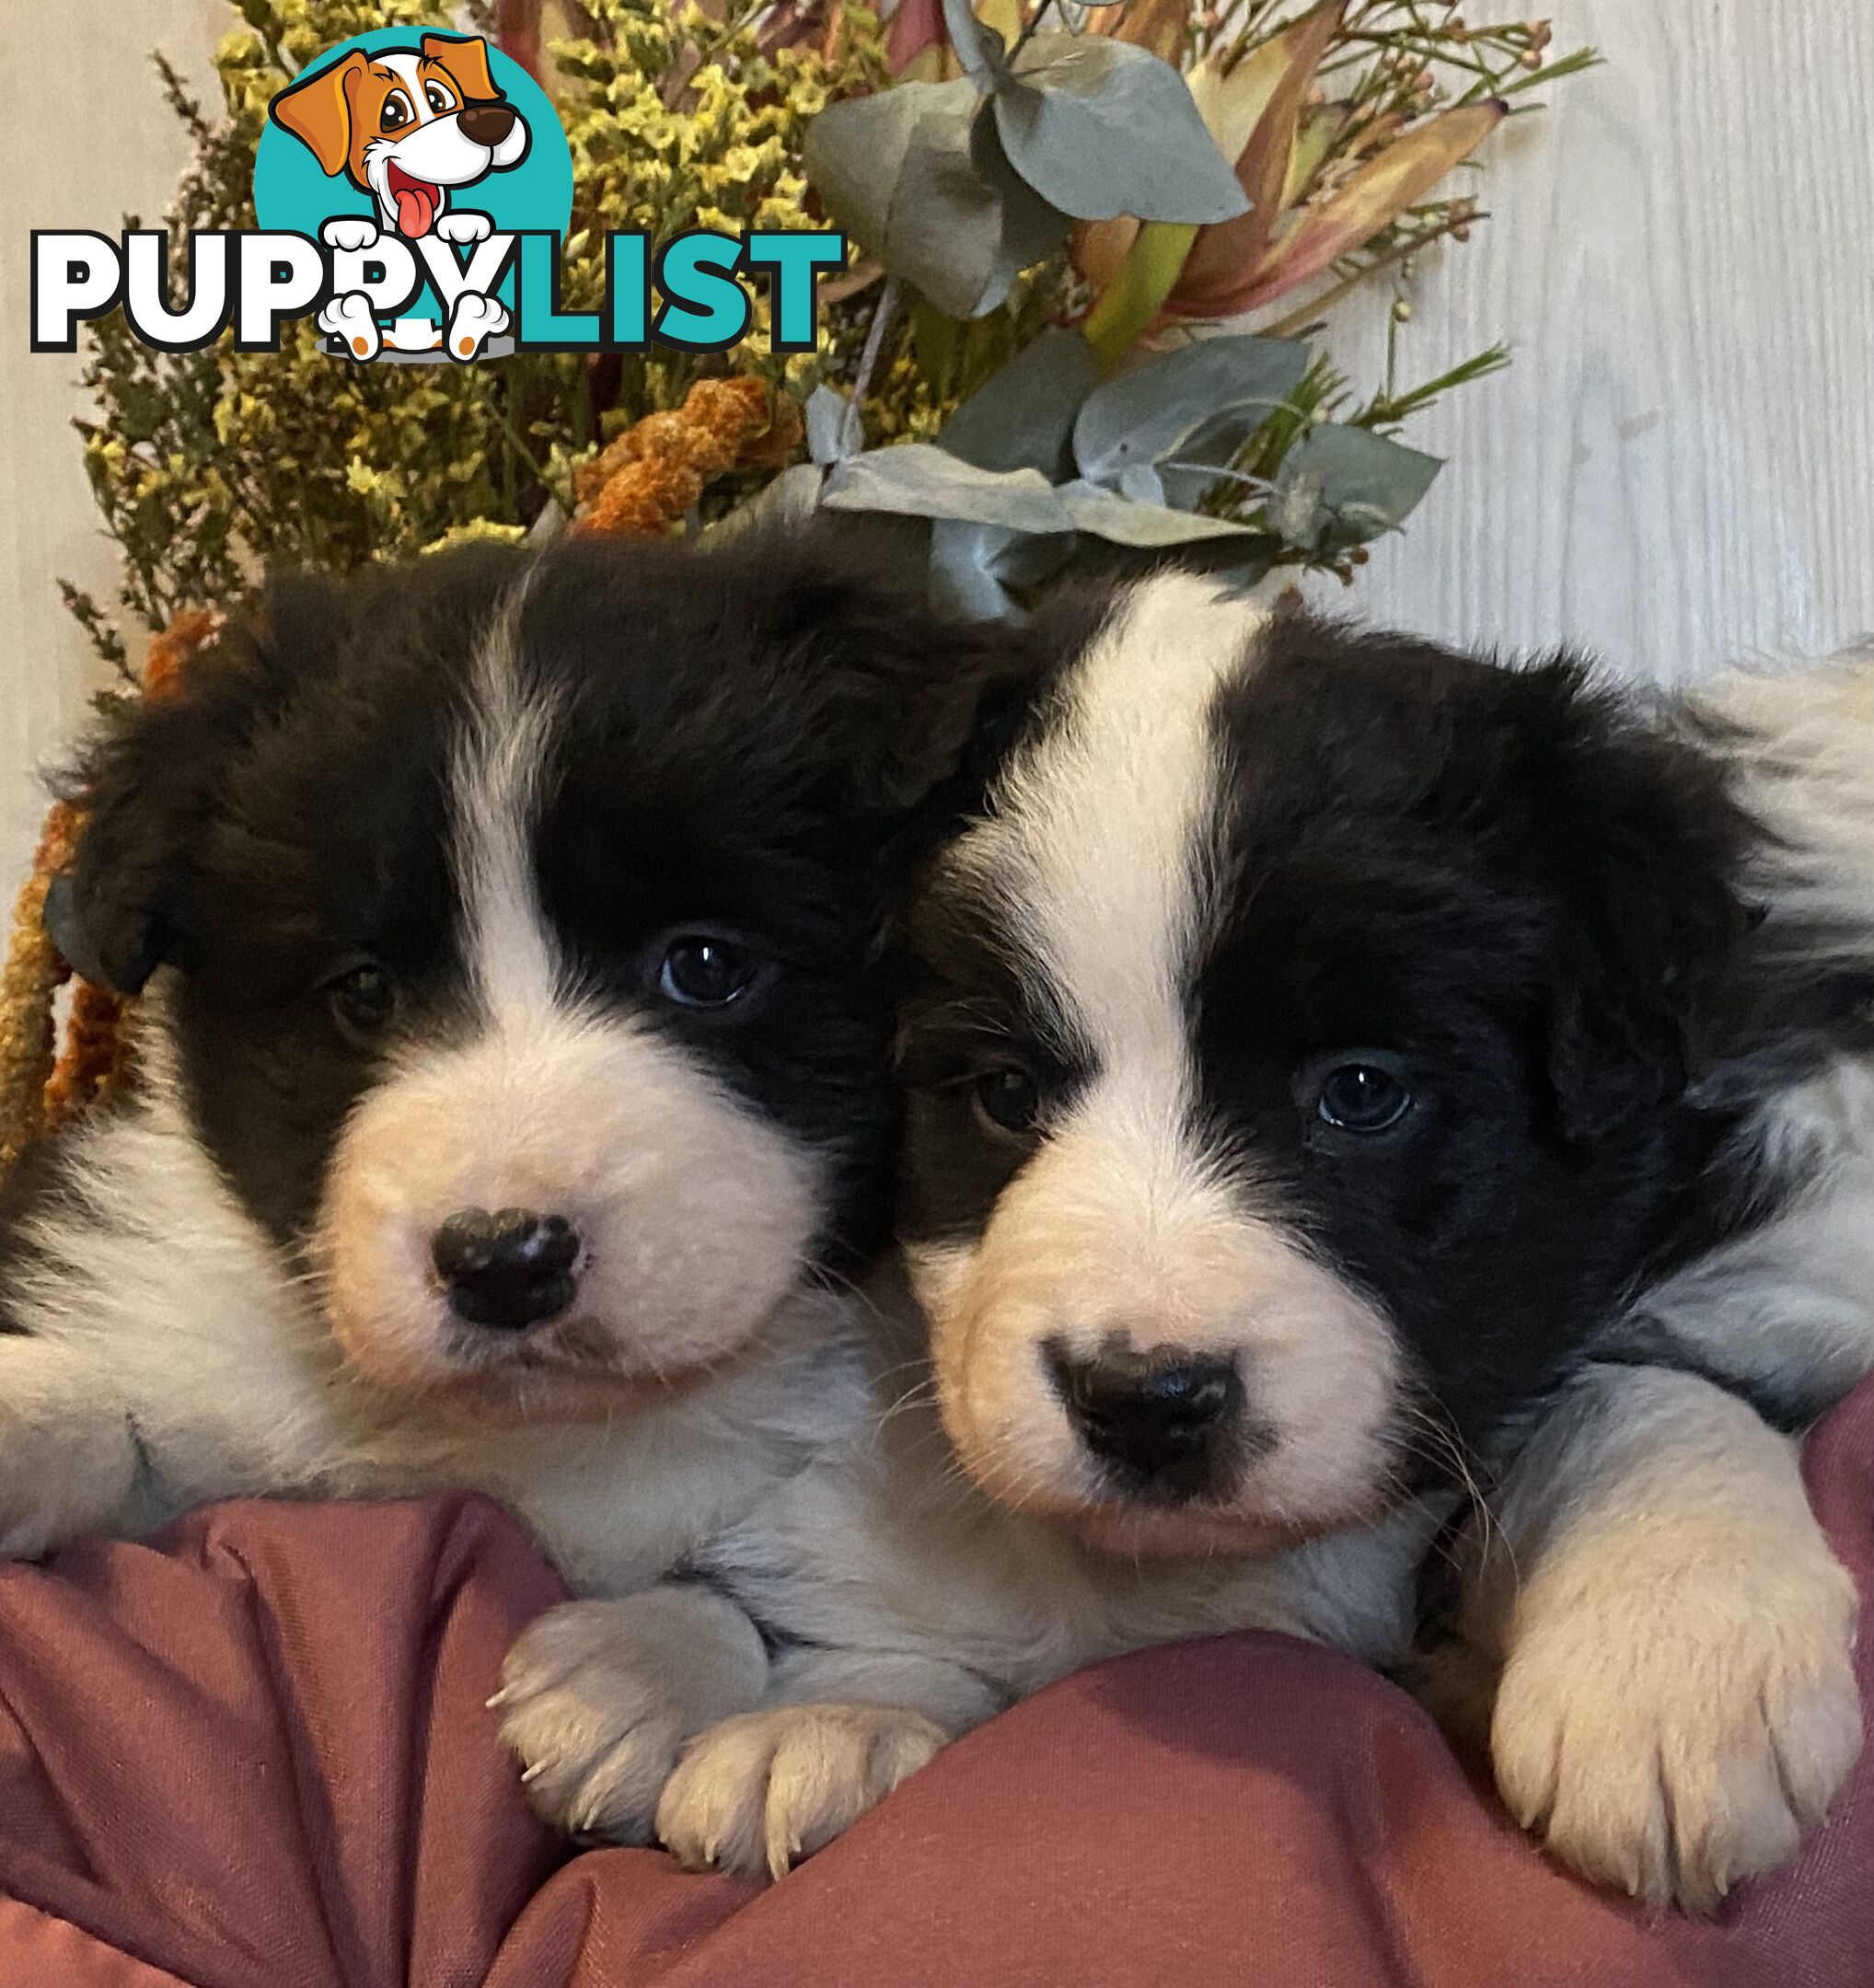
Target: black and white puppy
1354,1055
1339,1056
512,1089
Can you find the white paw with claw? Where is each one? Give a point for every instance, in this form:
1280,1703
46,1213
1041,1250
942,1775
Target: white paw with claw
474,321
348,231
1675,1730
759,1792
350,317
464,226
596,1738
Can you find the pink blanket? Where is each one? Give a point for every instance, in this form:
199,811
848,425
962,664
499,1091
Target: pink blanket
255,1754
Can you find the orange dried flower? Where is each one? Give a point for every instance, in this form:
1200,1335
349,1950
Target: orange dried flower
30,980
647,478
95,1055
188,629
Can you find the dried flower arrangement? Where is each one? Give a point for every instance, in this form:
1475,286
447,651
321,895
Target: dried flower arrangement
980,160
1095,243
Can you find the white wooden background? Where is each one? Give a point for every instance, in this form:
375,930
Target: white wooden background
85,138
1678,468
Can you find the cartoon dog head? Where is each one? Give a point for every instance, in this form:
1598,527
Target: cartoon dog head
407,125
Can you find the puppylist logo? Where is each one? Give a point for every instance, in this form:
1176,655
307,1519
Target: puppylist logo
413,191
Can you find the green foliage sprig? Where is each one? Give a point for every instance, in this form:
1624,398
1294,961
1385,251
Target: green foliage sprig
1060,347
206,465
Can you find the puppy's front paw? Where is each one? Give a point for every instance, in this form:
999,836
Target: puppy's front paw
473,322
1674,1729
596,1734
464,226
348,231
759,1792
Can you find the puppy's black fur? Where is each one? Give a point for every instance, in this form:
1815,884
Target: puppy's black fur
1523,885
755,738
1542,903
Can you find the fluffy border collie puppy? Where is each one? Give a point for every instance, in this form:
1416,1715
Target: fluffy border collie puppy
1649,1641
513,1084
1337,1058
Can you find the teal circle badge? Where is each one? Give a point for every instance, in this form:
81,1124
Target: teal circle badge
395,148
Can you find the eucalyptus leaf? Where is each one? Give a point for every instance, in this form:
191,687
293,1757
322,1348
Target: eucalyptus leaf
1141,483
1100,128
963,579
895,171
1239,563
1156,409
978,46
975,568
791,499
1119,519
983,569
919,479
1024,416
826,412
1242,575
1339,487
1031,228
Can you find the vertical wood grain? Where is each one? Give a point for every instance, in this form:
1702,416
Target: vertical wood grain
85,137
1678,468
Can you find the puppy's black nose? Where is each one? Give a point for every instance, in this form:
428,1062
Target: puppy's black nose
1166,1423
508,1270
486,124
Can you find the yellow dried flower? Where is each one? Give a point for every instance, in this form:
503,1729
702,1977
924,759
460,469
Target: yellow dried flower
205,464
476,531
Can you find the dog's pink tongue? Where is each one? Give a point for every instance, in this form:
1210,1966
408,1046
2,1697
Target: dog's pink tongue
416,208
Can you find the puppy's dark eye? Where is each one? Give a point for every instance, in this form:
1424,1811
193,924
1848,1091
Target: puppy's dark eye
701,970
396,112
1009,1098
438,98
362,1000
1366,1092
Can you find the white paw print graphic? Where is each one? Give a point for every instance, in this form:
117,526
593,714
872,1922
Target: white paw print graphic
348,231
474,321
465,228
349,318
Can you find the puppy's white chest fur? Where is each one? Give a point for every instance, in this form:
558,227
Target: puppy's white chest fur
171,1361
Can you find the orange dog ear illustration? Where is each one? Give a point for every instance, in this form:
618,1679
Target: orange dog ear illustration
318,112
467,61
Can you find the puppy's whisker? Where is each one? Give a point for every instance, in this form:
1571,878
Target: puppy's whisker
1449,1452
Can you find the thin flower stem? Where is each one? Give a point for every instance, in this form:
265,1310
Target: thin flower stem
852,428
1027,34
534,467
1300,320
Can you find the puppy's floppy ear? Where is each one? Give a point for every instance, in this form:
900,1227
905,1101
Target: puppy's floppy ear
148,784
906,704
318,112
466,59
1650,855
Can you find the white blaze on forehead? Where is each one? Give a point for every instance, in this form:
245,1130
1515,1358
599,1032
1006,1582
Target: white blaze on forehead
408,69
500,771
1100,848
695,1211
1101,857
